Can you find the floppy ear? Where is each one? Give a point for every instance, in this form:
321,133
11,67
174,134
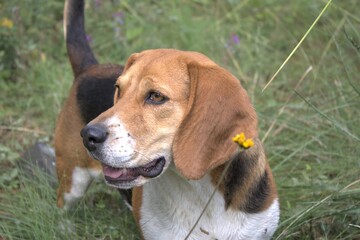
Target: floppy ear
218,109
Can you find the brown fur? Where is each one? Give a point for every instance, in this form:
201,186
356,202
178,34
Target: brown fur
136,204
207,107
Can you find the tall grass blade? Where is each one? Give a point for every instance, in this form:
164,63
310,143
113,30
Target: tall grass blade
298,45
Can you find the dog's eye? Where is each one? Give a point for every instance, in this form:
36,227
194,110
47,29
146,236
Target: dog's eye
155,98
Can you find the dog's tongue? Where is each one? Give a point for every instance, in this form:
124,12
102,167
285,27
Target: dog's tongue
114,173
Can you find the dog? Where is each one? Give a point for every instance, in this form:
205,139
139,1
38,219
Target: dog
91,93
168,137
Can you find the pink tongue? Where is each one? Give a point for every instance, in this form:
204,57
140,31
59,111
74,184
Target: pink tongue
113,172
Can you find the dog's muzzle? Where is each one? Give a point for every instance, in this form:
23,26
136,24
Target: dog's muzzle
94,138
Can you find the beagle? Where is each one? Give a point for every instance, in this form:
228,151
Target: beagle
168,137
91,93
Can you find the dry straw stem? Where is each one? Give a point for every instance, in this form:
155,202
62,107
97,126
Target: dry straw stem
308,70
22,129
210,198
298,45
244,143
332,40
277,72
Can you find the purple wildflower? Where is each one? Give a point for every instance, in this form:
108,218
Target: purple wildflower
235,38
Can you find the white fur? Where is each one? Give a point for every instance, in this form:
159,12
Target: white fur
81,179
171,205
119,148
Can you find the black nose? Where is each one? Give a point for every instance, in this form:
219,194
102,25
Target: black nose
93,136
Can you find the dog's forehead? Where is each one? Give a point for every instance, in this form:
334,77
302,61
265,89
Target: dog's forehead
171,56
162,63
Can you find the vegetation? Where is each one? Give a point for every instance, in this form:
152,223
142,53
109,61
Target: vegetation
309,114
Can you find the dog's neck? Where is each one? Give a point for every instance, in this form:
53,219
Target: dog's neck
181,203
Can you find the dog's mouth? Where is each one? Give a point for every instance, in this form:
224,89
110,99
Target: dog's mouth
117,176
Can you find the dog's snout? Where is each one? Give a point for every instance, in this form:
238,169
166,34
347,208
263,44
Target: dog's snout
93,136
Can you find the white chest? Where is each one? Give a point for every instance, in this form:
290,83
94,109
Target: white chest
171,206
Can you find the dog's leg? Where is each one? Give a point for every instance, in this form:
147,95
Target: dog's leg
69,193
75,169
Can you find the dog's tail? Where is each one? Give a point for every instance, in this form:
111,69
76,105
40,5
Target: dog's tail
78,49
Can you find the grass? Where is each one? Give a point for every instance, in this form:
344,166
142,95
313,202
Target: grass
308,116
35,217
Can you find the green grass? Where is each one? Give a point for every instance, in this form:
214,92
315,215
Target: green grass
31,214
309,114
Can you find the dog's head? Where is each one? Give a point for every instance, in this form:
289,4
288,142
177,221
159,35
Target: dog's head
169,105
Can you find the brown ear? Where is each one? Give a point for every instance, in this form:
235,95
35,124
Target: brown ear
130,61
218,109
